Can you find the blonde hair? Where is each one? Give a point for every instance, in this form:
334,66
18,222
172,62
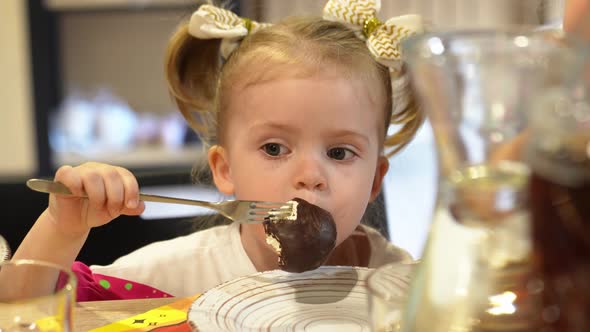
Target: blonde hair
199,81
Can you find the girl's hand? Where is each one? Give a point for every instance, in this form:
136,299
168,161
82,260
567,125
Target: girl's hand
111,191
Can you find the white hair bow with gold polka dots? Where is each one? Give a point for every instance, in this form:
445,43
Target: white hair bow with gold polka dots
383,39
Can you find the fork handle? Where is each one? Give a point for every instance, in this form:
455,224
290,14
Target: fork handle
53,187
174,200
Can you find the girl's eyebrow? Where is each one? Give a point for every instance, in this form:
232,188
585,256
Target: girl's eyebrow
338,133
347,133
273,125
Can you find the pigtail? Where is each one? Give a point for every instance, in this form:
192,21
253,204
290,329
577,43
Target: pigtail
406,113
192,70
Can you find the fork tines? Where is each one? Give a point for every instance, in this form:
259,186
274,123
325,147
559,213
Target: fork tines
272,211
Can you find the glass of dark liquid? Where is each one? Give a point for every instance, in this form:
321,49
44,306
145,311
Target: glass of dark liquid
559,158
491,95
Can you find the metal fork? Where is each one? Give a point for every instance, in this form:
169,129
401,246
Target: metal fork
251,212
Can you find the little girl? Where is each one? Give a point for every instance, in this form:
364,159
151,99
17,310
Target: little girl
296,109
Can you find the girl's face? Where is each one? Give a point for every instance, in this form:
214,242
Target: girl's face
316,138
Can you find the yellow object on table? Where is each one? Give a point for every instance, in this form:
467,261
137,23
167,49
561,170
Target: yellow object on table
169,317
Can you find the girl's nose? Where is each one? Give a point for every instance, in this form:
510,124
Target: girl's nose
309,175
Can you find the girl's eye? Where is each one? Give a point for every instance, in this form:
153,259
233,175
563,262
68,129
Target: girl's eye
340,153
274,149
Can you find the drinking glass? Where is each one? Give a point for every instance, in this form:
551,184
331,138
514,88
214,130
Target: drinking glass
479,89
559,190
387,286
28,304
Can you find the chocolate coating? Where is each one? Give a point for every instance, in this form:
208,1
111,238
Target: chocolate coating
306,241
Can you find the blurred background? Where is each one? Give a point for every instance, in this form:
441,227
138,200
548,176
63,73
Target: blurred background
82,80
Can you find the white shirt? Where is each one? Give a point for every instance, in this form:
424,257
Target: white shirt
194,263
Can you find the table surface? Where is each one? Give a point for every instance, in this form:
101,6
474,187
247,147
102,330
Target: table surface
90,315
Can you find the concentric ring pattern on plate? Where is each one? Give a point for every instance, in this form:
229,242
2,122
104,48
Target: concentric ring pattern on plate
326,299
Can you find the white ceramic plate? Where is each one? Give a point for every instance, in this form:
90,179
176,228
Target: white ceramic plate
326,299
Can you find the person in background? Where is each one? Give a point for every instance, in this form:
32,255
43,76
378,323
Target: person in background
301,108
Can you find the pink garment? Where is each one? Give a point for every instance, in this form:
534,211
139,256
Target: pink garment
98,287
